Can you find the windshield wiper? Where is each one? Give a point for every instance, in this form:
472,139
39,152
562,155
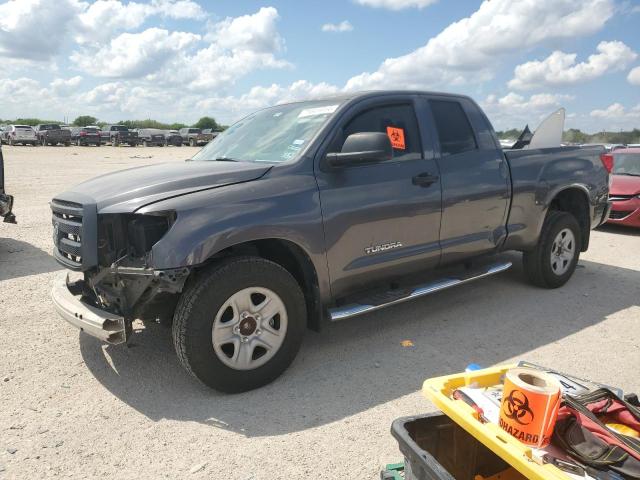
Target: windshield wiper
226,159
629,174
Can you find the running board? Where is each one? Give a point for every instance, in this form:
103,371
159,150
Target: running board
393,297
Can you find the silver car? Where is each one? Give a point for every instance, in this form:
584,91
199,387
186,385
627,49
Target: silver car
24,134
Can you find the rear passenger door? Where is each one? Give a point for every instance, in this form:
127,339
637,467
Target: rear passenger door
475,181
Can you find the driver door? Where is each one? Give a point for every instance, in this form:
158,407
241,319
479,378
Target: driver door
381,220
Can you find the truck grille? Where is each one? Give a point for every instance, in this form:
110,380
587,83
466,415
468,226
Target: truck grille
618,214
67,231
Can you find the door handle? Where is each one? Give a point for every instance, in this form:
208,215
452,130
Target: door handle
424,179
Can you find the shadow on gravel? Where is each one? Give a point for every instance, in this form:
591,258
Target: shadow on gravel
21,259
619,230
359,364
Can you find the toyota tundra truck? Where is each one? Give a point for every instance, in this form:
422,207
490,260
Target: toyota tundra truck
313,212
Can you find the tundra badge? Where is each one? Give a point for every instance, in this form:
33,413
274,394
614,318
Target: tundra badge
382,247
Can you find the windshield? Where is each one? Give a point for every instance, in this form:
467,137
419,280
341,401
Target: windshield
274,135
626,164
119,128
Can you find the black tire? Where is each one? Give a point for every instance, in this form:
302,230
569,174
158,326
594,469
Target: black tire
193,322
537,262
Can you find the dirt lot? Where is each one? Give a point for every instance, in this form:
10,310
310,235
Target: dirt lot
72,407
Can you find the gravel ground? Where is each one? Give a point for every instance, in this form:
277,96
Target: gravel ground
72,407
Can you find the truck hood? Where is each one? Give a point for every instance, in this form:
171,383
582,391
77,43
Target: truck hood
624,185
128,190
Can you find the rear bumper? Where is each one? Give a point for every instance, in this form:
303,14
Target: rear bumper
106,326
626,213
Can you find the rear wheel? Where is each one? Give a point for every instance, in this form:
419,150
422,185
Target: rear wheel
552,263
240,325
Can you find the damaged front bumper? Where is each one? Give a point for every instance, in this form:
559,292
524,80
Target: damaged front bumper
6,207
98,323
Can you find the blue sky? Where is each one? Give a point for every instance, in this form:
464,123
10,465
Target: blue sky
177,60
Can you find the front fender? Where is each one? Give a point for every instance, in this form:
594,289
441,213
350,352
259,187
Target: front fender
278,207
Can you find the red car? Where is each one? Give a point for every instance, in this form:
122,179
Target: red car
625,187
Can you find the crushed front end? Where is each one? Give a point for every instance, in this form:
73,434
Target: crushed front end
115,281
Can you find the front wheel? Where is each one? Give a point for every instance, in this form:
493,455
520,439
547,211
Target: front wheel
552,262
240,324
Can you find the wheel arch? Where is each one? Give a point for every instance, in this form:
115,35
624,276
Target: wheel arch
574,199
290,256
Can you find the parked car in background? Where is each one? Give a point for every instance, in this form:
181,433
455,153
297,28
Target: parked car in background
104,135
119,135
194,136
624,191
6,200
172,137
211,132
82,136
318,211
52,134
22,134
151,137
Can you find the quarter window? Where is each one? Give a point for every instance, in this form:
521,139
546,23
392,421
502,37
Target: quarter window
454,130
397,121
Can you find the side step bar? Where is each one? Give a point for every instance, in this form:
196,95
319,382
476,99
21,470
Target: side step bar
392,298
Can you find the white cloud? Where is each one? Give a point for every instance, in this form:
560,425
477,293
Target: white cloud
256,32
35,29
64,87
103,18
561,68
513,110
238,46
617,111
634,76
132,55
468,50
344,26
396,4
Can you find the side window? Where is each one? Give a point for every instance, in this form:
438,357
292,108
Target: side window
454,130
397,121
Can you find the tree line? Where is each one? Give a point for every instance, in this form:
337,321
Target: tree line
84,120
574,135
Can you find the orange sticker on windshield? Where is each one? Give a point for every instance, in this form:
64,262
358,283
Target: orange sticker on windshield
396,135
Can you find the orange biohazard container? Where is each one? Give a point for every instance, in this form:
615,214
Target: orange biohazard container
512,451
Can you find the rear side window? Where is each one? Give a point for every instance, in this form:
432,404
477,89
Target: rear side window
454,129
397,121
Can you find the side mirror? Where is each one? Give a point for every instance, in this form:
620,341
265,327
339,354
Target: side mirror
361,148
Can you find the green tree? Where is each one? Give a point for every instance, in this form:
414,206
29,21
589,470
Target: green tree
84,120
207,122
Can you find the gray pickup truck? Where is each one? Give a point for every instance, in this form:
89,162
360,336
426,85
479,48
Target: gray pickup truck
194,137
120,134
52,134
316,211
